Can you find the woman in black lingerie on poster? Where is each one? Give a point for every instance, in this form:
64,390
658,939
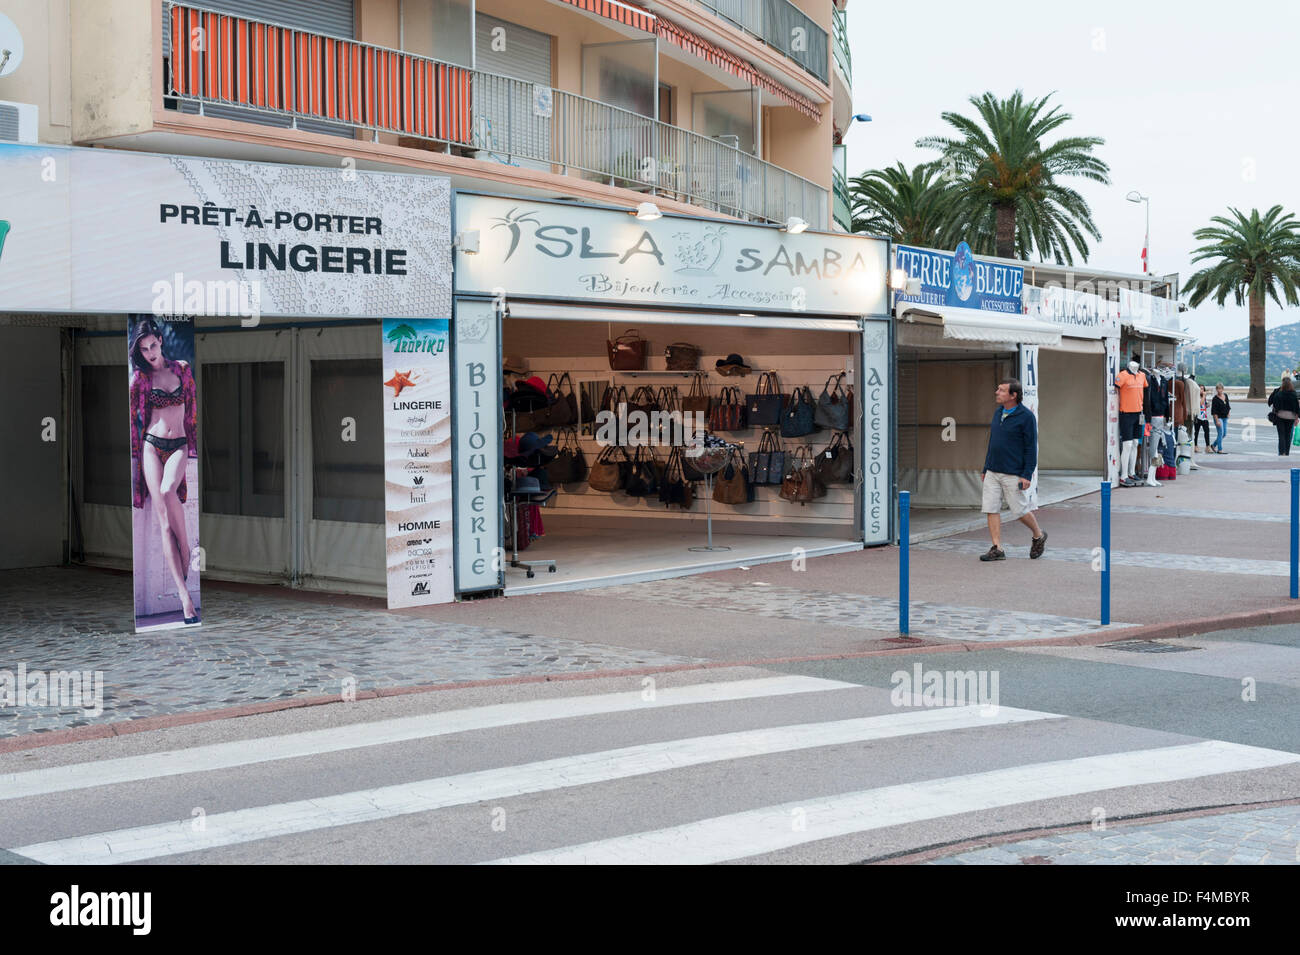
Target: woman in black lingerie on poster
163,439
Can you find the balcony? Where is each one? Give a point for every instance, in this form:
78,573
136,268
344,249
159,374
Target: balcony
782,26
267,73
843,211
840,43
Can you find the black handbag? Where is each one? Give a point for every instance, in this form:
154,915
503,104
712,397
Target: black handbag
564,405
834,464
673,488
797,418
767,464
569,465
643,478
833,405
764,406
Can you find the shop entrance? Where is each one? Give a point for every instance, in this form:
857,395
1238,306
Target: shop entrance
291,454
611,536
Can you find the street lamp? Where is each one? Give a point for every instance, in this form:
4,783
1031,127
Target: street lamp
1136,196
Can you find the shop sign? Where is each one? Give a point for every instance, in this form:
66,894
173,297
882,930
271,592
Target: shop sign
416,386
959,280
1112,410
876,483
537,249
1139,308
1029,398
478,464
107,230
1081,314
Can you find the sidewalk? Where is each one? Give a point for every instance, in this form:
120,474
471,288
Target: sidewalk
1213,544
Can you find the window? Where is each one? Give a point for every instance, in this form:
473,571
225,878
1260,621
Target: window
105,435
242,438
347,430
665,103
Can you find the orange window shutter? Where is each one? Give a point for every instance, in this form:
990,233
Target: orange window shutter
243,63
302,72
354,55
212,55
196,47
329,76
288,70
430,104
394,92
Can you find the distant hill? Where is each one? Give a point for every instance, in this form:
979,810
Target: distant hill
1230,362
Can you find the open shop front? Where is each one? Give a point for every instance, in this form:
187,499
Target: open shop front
583,343
961,329
254,447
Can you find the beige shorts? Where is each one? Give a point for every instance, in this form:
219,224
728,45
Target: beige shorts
996,487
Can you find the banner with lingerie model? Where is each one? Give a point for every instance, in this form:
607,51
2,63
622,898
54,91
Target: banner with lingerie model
417,461
167,559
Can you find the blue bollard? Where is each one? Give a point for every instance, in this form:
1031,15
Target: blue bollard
904,543
1105,553
1295,533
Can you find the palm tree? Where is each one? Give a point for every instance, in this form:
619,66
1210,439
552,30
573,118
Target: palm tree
1009,199
1256,255
911,208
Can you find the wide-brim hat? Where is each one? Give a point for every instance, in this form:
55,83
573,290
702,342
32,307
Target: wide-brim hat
733,364
515,364
530,443
533,384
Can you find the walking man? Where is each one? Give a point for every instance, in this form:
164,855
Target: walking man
1009,468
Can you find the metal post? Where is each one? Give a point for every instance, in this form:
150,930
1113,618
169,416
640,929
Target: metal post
904,542
1105,553
1295,533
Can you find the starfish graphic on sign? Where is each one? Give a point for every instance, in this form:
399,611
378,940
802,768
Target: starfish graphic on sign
400,380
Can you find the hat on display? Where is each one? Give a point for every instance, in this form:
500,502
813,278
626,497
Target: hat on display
527,485
534,383
530,444
733,364
515,364
510,447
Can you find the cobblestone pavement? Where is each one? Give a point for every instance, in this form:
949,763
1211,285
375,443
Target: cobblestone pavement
264,648
1120,558
1184,512
1254,837
858,610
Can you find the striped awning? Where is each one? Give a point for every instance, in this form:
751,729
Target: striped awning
698,46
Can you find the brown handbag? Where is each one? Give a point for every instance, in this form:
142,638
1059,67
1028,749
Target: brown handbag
801,483
610,471
731,486
627,352
728,412
564,405
682,356
834,464
698,399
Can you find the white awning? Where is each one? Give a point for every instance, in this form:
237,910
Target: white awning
973,325
1151,331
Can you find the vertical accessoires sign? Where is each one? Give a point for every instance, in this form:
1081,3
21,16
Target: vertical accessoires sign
1112,411
1029,384
163,399
876,478
417,461
477,404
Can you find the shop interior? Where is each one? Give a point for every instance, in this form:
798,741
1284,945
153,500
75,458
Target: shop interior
945,403
592,536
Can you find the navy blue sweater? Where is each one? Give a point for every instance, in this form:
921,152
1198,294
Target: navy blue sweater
1013,443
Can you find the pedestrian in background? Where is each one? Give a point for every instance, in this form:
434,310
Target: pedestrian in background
1219,410
1286,409
1009,467
1202,421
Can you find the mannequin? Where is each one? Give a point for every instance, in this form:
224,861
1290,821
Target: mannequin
1188,401
1130,384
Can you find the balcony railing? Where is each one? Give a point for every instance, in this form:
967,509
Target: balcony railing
782,26
840,43
843,206
265,72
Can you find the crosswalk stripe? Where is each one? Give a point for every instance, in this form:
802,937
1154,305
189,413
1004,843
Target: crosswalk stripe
306,815
200,759
745,834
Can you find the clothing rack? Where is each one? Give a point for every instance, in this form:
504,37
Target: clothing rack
708,507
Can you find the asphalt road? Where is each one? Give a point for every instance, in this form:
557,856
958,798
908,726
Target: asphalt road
816,763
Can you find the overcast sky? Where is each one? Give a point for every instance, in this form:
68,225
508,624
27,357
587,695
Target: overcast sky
1193,99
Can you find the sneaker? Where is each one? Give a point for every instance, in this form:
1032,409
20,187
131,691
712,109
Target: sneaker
1036,548
994,553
